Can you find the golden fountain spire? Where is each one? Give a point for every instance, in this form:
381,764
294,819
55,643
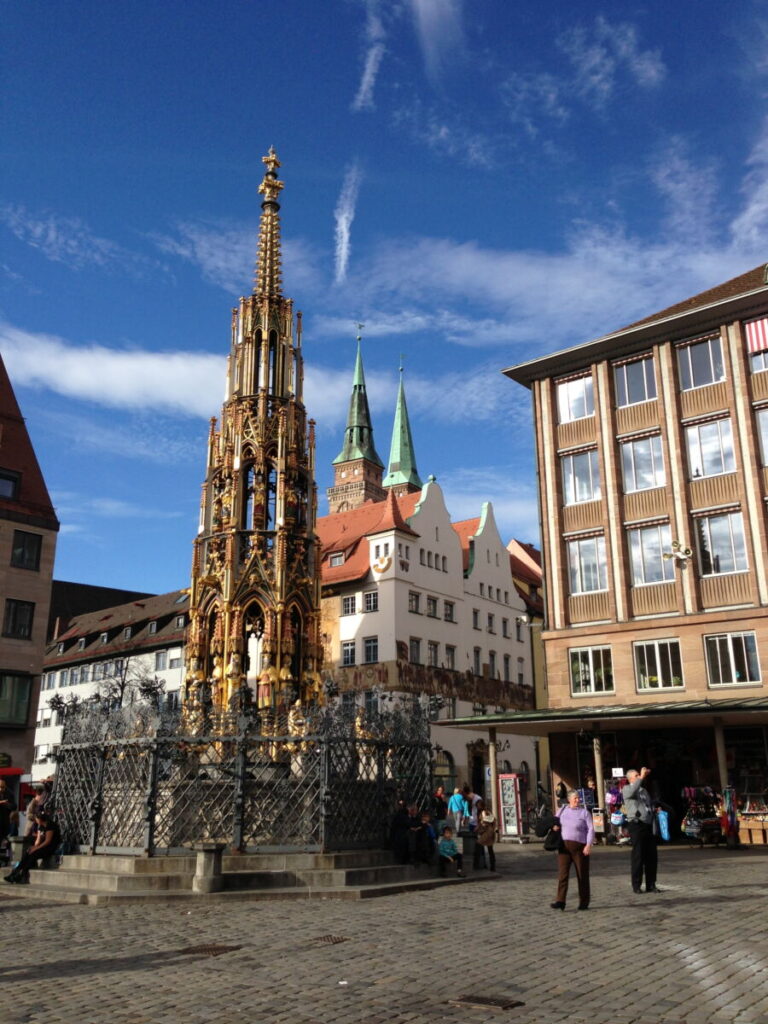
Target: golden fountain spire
268,280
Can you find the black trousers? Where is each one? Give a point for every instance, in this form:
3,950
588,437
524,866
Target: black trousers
645,856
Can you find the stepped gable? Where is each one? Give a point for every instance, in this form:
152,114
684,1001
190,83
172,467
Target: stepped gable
30,502
343,532
466,530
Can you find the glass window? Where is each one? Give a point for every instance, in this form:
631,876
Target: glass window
127,633
581,477
721,544
15,693
586,560
433,650
348,605
759,361
449,611
507,665
658,665
575,399
492,664
17,622
9,484
732,659
450,656
643,464
710,449
505,627
491,623
700,363
476,663
103,638
371,600
336,559
432,607
475,618
348,652
25,552
647,547
591,670
371,649
520,672
635,382
762,427
152,628
414,650
174,658
161,661
413,601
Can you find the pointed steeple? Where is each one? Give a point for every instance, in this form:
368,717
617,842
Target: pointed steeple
357,469
358,436
268,261
402,472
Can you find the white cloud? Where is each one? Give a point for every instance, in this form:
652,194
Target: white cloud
134,438
438,25
178,383
375,49
225,254
472,332
68,240
599,56
344,214
446,133
530,97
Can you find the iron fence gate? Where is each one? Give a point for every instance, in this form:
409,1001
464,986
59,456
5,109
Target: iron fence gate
136,781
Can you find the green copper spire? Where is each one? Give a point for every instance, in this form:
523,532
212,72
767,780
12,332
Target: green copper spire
402,460
358,436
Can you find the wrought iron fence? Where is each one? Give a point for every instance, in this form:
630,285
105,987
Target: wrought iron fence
135,780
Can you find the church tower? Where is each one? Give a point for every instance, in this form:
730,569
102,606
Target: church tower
255,592
357,469
402,476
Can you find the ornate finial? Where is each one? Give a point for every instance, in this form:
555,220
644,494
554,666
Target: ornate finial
359,330
268,261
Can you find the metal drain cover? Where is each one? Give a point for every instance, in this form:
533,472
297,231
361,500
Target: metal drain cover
487,1002
332,940
208,950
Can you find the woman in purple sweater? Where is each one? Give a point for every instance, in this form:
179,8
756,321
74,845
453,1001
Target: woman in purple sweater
578,835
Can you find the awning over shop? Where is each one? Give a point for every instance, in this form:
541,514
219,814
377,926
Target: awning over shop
659,715
5,772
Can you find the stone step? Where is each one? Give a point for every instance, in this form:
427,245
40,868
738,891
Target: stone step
299,861
44,891
125,864
104,881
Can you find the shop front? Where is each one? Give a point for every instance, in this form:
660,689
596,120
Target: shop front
698,753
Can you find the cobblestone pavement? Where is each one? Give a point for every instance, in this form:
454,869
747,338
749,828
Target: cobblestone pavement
697,953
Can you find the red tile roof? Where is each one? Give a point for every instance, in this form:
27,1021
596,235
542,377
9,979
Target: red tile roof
752,279
32,502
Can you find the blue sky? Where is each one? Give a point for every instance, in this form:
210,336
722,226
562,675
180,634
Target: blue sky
477,182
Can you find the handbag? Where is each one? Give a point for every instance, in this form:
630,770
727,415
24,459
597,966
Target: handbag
553,840
617,818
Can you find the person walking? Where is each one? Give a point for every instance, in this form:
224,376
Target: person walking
638,808
578,835
457,810
439,810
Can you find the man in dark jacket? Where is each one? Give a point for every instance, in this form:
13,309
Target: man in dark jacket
638,808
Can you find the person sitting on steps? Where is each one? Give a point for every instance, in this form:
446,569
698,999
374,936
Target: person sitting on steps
46,843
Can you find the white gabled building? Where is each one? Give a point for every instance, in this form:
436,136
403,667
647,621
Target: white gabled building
113,652
415,603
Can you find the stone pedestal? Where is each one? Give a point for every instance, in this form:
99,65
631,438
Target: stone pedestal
208,867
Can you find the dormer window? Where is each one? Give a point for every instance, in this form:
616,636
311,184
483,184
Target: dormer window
337,558
180,622
152,628
60,648
103,638
81,644
127,633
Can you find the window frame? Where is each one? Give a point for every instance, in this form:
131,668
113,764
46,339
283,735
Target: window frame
18,619
414,646
693,441
685,364
704,523
566,387
349,604
748,656
370,643
591,652
22,546
656,645
600,561
666,565
370,600
621,369
348,653
414,602
656,453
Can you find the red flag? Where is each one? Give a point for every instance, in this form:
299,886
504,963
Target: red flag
757,335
